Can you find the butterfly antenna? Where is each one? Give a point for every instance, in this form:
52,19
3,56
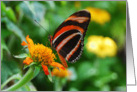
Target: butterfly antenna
42,26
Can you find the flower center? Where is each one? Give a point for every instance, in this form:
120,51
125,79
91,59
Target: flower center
43,54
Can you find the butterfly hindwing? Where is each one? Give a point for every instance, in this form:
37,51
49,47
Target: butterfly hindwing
68,38
63,60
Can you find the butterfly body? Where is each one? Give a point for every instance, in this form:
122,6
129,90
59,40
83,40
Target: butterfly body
68,39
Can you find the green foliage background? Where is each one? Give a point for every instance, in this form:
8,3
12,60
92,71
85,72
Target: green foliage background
92,72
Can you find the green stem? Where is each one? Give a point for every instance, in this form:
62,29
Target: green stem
27,77
16,76
57,85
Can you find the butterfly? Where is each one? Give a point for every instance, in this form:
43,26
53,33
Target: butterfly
68,39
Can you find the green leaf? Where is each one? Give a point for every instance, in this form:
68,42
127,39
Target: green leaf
1,52
36,71
45,24
8,68
119,32
39,10
5,71
3,8
20,13
34,10
73,89
10,14
86,70
99,82
51,4
13,77
5,33
13,28
105,88
24,55
3,47
63,3
26,66
50,76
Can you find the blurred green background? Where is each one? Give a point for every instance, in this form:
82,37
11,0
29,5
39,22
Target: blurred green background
92,72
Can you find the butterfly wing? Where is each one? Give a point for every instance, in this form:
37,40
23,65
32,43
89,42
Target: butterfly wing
62,59
68,38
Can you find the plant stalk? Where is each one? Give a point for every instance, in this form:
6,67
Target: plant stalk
16,76
26,78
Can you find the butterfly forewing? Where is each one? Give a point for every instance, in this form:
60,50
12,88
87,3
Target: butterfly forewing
68,38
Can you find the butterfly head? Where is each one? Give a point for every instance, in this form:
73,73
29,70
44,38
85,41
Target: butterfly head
50,38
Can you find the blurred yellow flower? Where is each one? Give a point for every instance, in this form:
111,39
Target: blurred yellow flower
98,15
101,46
40,53
60,72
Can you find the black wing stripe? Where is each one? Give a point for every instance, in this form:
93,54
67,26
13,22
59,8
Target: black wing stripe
69,45
77,53
82,13
63,36
70,22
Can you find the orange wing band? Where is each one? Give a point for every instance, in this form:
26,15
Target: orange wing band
66,28
63,61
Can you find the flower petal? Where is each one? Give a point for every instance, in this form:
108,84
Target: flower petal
27,61
45,69
55,64
60,72
29,40
24,43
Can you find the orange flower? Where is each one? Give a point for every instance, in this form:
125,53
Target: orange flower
23,43
45,69
40,53
60,72
27,61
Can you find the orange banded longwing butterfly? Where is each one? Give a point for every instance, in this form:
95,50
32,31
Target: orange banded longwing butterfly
68,39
